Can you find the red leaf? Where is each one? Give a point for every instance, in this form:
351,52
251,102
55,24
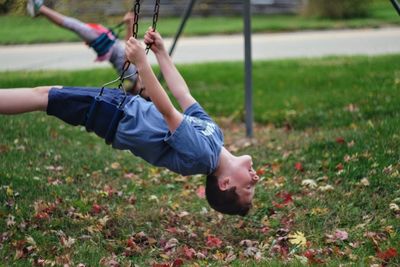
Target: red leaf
172,230
213,241
286,197
298,166
286,200
339,167
189,252
109,190
42,216
278,205
177,263
130,243
388,254
201,191
260,171
96,208
311,254
340,140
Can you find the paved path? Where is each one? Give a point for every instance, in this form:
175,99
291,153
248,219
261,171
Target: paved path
215,48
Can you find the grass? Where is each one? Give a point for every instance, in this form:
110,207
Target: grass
23,30
327,149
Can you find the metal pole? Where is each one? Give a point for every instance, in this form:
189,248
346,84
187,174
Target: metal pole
396,5
248,69
185,17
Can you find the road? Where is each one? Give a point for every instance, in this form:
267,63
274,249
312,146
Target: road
69,56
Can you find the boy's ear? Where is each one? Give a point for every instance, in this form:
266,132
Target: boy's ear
224,182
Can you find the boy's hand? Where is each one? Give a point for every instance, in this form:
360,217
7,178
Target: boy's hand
129,17
135,52
154,39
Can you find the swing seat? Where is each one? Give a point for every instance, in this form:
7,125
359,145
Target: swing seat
103,118
102,44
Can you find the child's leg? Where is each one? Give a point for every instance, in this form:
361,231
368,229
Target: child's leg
21,100
85,32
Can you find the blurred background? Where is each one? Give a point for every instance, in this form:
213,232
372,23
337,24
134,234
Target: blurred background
89,8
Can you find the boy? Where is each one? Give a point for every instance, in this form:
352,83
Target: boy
186,143
102,40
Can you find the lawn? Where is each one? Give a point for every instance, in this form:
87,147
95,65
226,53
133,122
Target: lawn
25,30
326,146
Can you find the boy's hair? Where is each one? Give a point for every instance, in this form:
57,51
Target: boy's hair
227,201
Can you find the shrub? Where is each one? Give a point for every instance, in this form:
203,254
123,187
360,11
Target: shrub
5,6
338,9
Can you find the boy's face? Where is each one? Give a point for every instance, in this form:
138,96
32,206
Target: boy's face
244,178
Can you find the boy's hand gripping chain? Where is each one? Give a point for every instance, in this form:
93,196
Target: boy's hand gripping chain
135,29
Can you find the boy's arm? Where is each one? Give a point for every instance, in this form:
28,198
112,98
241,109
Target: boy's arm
136,54
128,20
173,78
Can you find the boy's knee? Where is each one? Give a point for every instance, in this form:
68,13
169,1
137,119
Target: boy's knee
44,90
41,94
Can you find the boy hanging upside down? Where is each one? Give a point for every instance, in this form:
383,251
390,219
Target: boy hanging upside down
187,142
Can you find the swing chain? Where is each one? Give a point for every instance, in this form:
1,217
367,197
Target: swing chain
155,19
136,10
155,14
135,29
125,67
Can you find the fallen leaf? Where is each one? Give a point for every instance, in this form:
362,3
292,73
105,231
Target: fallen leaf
172,243
183,214
213,241
10,220
298,238
115,165
394,207
188,252
153,198
388,254
364,181
67,241
96,208
311,255
340,140
339,167
326,188
298,166
341,235
9,191
201,192
177,263
260,171
319,211
309,183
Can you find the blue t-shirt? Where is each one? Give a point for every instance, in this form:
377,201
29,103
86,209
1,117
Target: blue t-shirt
193,148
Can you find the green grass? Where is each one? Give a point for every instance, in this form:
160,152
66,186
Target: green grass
25,30
338,117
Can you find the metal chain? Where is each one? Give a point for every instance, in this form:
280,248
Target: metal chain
155,19
136,10
135,29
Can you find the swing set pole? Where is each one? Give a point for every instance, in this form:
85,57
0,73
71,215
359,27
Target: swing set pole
396,5
248,69
185,17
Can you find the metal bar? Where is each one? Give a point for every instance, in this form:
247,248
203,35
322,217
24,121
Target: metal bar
248,69
396,5
178,33
185,17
